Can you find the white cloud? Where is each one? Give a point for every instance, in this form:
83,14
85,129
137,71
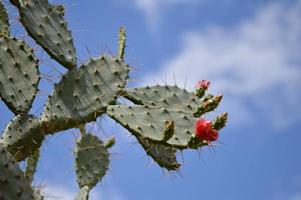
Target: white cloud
63,192
258,61
153,9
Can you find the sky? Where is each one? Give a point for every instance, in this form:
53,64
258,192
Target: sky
249,50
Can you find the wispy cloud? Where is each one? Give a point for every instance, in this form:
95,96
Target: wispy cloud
64,192
153,9
257,62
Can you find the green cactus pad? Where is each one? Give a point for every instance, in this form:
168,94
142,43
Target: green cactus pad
19,74
22,136
4,21
170,97
92,160
83,193
149,122
13,184
46,25
165,156
84,93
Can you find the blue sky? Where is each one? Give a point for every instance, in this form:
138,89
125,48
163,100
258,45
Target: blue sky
249,50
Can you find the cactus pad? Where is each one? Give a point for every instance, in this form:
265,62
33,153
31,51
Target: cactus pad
13,184
22,136
165,156
91,162
150,122
19,74
84,93
4,22
46,25
171,97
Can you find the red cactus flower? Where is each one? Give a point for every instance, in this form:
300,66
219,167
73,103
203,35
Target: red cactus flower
203,84
204,130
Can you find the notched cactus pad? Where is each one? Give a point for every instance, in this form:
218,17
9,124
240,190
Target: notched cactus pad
171,97
19,74
46,25
165,156
13,184
150,123
4,21
22,136
84,93
91,160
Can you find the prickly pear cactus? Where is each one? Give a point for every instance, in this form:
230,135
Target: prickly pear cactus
84,93
19,74
13,184
46,25
164,119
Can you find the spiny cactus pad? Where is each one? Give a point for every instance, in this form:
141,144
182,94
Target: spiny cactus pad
84,93
19,74
13,184
91,160
4,21
22,136
165,156
150,122
171,97
46,25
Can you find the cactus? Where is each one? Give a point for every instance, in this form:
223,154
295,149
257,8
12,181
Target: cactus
19,74
4,22
46,25
164,119
84,93
91,162
13,184
22,136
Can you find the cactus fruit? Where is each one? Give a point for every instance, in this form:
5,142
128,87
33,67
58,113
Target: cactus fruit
4,22
19,74
208,106
91,162
201,88
220,121
13,184
22,136
46,25
84,93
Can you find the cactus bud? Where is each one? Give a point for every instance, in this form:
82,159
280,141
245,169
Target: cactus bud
201,88
169,130
208,106
220,121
